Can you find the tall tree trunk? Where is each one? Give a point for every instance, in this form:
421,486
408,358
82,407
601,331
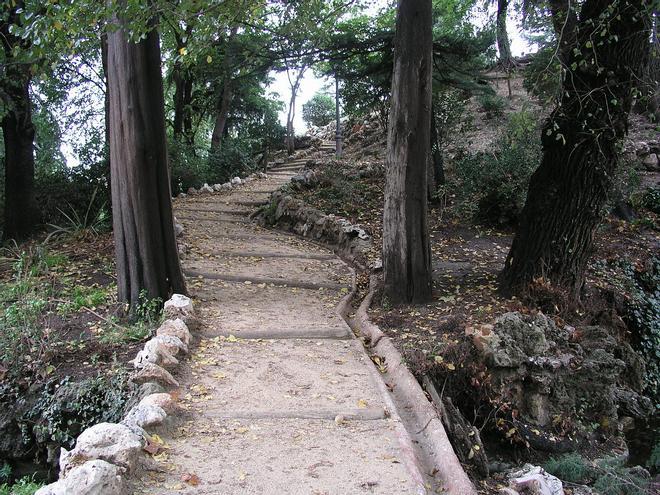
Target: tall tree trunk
227,95
290,131
221,116
106,111
21,212
568,191
503,45
145,246
436,174
406,247
182,92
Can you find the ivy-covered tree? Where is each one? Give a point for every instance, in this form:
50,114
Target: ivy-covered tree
21,213
581,140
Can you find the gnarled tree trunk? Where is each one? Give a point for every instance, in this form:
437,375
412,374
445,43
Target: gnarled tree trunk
227,94
183,84
568,191
406,247
503,45
21,212
290,131
145,246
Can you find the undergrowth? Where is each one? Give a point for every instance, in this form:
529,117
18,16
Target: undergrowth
608,476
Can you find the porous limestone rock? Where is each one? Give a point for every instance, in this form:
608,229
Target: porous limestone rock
155,352
172,344
162,400
547,371
236,181
175,328
144,415
178,228
153,373
96,477
178,305
206,188
534,480
110,442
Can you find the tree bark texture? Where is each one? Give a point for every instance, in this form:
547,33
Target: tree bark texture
21,212
568,191
183,85
564,23
503,44
406,247
145,245
290,131
227,94
436,174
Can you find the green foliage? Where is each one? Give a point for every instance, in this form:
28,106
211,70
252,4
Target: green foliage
233,159
542,77
66,408
491,186
648,199
607,476
24,486
75,197
147,315
22,338
613,478
654,460
319,111
643,317
84,297
93,221
493,105
570,467
188,169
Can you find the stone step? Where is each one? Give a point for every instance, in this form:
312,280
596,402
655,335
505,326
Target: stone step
264,254
197,209
281,282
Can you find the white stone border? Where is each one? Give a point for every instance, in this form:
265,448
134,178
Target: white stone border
106,453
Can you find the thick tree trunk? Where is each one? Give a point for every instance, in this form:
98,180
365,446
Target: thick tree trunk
564,23
290,131
568,191
21,212
182,94
503,45
436,174
227,94
406,247
221,116
145,246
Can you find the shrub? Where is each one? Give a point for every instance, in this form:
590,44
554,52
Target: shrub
319,111
492,104
570,467
83,190
492,186
187,168
65,408
24,486
233,159
608,476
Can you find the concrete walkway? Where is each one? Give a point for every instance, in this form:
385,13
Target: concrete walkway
279,396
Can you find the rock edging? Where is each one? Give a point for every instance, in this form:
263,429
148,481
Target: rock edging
285,212
431,435
106,453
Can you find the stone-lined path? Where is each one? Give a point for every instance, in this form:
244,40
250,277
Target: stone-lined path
278,396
